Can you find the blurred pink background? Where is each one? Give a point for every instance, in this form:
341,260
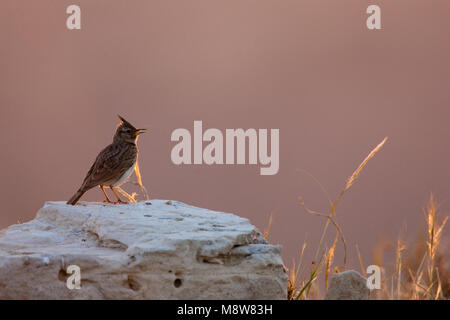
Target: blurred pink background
310,68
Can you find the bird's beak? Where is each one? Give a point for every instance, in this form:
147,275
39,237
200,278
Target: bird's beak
139,131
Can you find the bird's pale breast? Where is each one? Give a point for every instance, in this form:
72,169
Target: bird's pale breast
125,176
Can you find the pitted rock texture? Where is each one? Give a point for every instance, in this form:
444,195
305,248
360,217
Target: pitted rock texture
155,249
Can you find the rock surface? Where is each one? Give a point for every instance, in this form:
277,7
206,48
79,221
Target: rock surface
148,250
348,285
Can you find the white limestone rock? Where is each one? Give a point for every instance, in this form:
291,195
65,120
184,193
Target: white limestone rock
348,285
155,249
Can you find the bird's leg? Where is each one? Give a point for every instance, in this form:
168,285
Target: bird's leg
104,192
117,196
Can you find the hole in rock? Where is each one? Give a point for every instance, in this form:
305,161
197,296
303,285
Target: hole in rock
62,275
133,283
177,283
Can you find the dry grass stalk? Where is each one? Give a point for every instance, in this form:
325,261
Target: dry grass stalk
363,269
433,235
424,271
355,174
398,266
139,181
349,183
310,285
317,181
336,225
329,261
269,226
131,198
293,281
425,280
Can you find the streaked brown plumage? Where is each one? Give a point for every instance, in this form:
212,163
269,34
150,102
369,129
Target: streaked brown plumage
114,164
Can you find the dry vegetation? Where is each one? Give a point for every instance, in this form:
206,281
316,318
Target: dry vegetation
418,271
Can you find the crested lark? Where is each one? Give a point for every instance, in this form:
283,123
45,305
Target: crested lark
114,164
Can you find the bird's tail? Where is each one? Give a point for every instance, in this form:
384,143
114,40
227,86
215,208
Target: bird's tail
76,197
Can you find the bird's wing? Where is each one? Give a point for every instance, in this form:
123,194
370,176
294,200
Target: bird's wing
104,168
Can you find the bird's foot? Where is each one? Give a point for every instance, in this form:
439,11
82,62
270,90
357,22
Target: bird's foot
120,202
108,201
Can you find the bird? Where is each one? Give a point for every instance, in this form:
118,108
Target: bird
114,164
